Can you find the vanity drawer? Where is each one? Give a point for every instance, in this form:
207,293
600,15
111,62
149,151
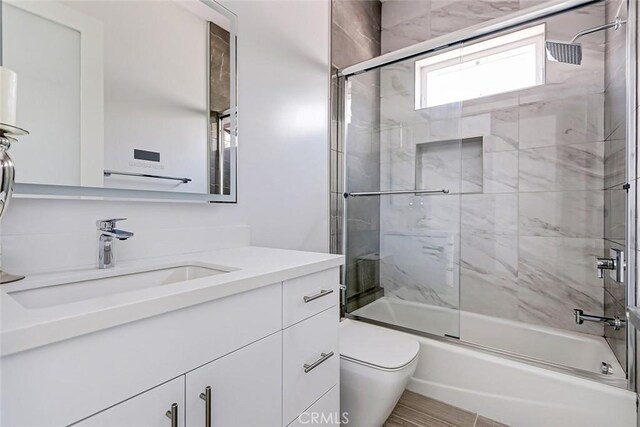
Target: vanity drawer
311,361
305,296
325,412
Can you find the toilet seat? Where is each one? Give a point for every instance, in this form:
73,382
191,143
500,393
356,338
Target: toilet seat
376,347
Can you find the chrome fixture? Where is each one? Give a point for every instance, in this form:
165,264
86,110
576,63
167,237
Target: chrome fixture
323,292
172,414
571,53
614,322
323,358
392,192
606,368
108,231
615,264
146,175
206,396
523,16
7,178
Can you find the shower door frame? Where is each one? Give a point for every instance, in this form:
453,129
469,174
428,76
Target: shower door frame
513,20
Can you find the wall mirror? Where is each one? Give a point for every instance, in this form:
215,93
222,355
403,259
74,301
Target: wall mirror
126,99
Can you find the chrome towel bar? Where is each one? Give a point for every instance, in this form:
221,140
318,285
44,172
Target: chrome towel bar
145,175
387,193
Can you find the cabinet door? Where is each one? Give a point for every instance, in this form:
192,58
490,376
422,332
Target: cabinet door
146,409
245,387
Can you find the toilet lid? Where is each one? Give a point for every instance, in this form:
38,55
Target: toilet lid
375,345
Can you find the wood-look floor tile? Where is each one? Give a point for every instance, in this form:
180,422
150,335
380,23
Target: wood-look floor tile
486,422
395,421
419,418
440,410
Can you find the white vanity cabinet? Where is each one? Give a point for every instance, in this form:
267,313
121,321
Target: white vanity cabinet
240,389
311,358
255,358
147,409
243,388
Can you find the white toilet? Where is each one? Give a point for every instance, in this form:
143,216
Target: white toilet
375,366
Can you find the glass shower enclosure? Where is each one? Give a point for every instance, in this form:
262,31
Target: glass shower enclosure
483,179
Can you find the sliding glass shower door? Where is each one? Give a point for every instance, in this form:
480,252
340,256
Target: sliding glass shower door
407,167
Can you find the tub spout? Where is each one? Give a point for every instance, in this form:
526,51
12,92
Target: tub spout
614,322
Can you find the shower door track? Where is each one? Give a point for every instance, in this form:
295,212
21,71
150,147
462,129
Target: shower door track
515,19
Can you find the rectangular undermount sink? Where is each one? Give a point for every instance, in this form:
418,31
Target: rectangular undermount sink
80,290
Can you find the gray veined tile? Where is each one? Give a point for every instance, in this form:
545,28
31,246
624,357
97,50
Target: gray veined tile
617,290
559,261
421,267
493,294
571,167
489,214
424,213
399,12
552,304
615,109
615,162
561,214
615,213
565,121
500,170
488,253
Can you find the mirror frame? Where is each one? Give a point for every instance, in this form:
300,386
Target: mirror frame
23,190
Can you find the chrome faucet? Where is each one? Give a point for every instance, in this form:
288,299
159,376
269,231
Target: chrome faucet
107,232
615,322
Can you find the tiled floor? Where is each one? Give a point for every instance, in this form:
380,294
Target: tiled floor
415,410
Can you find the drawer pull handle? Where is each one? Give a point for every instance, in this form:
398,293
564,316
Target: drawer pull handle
206,396
320,294
324,357
173,415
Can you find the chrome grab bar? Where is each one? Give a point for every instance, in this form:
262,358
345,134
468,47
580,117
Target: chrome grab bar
206,396
146,175
173,415
323,292
324,357
391,192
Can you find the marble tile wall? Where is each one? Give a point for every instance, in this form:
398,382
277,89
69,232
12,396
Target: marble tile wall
406,22
615,169
524,246
355,37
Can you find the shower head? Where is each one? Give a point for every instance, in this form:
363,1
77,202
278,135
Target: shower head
571,52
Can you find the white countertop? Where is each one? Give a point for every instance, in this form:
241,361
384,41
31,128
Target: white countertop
253,267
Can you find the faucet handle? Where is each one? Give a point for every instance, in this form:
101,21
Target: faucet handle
108,224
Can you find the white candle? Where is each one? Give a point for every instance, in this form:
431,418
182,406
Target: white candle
8,96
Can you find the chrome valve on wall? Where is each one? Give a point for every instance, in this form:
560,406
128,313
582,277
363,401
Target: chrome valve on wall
8,133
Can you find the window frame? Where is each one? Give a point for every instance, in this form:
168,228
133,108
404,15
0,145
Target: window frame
462,54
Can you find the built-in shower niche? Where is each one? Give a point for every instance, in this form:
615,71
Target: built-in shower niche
455,165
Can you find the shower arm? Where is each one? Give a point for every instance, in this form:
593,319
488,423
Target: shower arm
615,24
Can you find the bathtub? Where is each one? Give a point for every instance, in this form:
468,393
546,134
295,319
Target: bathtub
556,347
519,374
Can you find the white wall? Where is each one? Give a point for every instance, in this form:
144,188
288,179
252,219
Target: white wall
283,55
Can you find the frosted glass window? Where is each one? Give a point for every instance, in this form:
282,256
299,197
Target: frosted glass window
503,64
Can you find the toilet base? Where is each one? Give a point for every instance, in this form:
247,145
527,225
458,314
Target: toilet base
368,394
